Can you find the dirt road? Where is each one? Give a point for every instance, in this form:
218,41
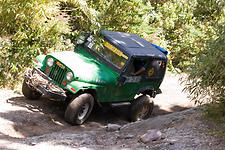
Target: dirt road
39,124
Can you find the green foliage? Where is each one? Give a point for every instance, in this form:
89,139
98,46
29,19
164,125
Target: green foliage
215,112
28,28
120,15
185,33
206,80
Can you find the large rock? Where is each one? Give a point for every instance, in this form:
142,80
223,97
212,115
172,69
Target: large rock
151,135
113,127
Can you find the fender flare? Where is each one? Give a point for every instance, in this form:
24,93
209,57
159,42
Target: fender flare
76,86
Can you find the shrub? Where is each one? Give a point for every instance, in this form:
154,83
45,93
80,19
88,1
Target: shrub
28,28
206,82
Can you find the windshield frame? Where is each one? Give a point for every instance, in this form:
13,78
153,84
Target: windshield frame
105,61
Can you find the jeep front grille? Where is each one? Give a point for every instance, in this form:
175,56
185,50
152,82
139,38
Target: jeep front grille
57,74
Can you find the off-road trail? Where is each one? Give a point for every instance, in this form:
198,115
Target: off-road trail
39,125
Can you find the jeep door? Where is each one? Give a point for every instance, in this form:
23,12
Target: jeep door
127,89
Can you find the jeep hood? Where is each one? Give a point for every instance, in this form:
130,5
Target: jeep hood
86,68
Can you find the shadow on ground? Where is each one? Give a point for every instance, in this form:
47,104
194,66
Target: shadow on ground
45,116
35,118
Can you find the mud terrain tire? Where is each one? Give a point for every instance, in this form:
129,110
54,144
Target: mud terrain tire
29,92
141,108
79,109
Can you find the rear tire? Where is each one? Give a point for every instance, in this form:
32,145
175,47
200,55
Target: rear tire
79,109
30,93
141,108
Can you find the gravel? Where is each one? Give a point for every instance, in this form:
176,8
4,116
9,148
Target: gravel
39,124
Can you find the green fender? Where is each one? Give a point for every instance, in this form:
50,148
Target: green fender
76,86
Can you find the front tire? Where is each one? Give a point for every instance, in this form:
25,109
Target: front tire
30,93
141,108
79,109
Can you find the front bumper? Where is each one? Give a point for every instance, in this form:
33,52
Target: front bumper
39,81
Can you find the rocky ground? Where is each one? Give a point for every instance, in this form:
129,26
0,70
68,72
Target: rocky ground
26,124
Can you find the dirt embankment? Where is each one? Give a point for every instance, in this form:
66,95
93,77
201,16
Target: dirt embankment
39,125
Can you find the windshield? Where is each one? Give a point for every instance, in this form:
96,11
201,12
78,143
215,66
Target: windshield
107,51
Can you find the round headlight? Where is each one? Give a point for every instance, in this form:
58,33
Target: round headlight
50,62
69,76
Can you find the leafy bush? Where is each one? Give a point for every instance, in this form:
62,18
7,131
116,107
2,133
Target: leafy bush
28,28
206,80
184,32
122,15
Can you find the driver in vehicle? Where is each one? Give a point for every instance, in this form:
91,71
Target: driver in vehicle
139,67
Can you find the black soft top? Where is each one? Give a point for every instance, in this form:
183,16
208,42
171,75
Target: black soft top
134,45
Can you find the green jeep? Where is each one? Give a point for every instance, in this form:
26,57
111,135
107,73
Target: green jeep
115,67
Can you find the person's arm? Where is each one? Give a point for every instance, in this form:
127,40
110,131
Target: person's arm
138,72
